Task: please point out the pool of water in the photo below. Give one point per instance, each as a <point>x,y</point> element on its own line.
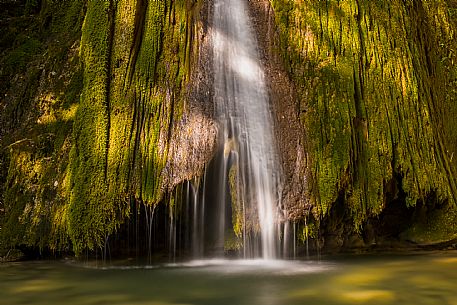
<point>429,278</point>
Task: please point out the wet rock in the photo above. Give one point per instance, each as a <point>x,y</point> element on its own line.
<point>290,133</point>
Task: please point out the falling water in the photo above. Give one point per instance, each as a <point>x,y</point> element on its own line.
<point>247,144</point>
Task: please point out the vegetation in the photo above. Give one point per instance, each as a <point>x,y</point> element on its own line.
<point>377,94</point>
<point>97,138</point>
<point>41,82</point>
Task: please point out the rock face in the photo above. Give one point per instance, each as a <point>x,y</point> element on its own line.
<point>120,115</point>
<point>290,131</point>
<point>41,80</point>
<point>375,93</point>
<point>194,136</point>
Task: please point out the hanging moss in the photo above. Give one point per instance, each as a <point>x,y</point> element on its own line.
<point>438,226</point>
<point>136,57</point>
<point>374,81</point>
<point>41,93</point>
<point>92,127</point>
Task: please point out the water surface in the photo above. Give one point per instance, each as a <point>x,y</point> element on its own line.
<point>388,279</point>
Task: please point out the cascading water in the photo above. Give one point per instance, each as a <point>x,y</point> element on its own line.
<point>234,208</point>
<point>248,164</point>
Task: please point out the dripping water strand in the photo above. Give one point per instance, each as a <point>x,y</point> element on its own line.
<point>295,240</point>
<point>149,214</point>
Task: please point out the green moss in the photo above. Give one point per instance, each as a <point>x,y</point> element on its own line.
<point>372,89</point>
<point>106,113</point>
<point>16,60</point>
<point>307,231</point>
<point>232,243</point>
<point>237,204</point>
<point>376,83</point>
<point>32,6</point>
<point>439,226</point>
<point>39,116</point>
<point>136,58</point>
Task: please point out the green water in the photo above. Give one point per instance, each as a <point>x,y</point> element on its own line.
<point>388,279</point>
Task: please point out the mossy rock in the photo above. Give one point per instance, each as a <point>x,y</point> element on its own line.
<point>439,226</point>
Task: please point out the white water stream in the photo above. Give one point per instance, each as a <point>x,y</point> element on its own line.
<point>243,111</point>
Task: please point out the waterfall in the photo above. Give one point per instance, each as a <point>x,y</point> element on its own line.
<point>249,171</point>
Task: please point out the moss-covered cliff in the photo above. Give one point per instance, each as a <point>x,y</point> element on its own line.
<point>94,91</point>
<point>376,92</point>
<point>136,58</point>
<point>41,79</point>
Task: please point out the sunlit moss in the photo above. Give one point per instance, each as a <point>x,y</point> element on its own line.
<point>237,204</point>
<point>371,82</point>
<point>108,117</point>
<point>69,115</point>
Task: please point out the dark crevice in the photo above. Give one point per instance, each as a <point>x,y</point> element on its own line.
<point>138,33</point>
<point>131,167</point>
<point>111,24</point>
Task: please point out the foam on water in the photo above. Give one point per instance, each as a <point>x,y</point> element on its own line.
<point>255,266</point>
